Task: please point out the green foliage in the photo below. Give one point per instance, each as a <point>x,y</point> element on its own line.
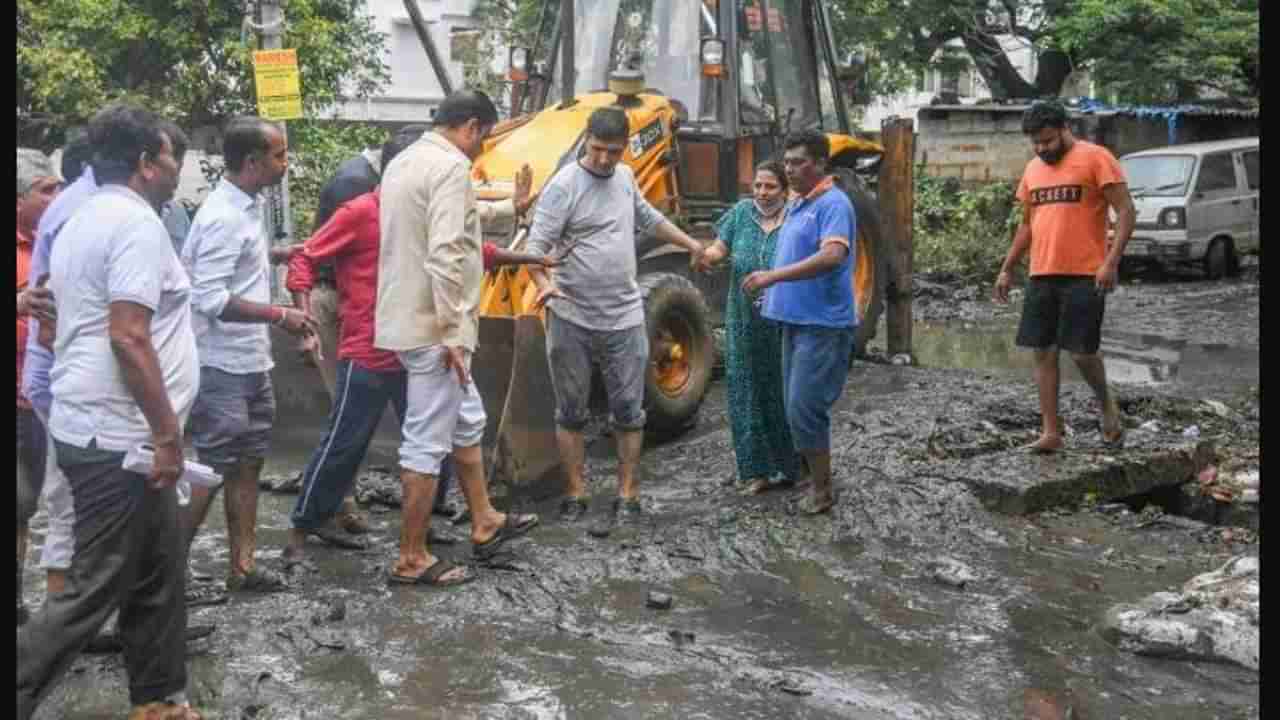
<point>317,149</point>
<point>1160,51</point>
<point>963,230</point>
<point>1144,50</point>
<point>187,59</point>
<point>503,24</point>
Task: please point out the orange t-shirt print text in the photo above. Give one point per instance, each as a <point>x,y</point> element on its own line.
<point>1068,209</point>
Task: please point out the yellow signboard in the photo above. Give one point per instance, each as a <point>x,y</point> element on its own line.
<point>275,73</point>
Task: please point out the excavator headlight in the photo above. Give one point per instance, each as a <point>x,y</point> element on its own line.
<point>712,57</point>
<point>518,64</point>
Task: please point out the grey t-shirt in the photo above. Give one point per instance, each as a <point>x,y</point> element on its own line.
<point>597,221</point>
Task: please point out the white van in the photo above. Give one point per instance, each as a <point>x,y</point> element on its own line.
<point>1196,204</point>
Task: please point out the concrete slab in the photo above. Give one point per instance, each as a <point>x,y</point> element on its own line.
<point>1016,481</point>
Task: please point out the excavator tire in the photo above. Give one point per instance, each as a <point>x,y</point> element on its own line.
<point>681,351</point>
<point>874,256</point>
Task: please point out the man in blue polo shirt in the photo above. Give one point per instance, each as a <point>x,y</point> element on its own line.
<point>811,296</point>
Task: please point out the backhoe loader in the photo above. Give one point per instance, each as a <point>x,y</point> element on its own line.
<point>711,88</point>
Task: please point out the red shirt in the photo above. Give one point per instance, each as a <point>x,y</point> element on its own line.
<point>350,239</point>
<point>25,246</point>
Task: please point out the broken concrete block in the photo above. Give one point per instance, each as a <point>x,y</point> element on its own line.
<point>1214,617</point>
<point>949,571</point>
<point>658,601</point>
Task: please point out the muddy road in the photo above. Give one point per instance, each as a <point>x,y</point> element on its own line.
<point>918,598</point>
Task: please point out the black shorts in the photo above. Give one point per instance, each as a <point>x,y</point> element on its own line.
<point>1064,311</point>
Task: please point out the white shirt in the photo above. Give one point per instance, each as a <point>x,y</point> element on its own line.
<point>123,253</point>
<point>226,255</point>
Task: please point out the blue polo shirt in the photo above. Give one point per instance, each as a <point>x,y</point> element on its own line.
<point>826,300</point>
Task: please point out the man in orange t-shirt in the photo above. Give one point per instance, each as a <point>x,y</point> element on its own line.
<point>1065,193</point>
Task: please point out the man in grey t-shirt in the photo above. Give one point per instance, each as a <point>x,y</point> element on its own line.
<point>590,213</point>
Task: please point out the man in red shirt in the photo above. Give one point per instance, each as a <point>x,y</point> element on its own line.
<point>367,378</point>
<point>1065,192</point>
<point>37,186</point>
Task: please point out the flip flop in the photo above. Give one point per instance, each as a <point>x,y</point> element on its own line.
<point>433,574</point>
<point>514,527</point>
<point>163,711</point>
<point>259,580</point>
<point>814,508</point>
<point>757,487</point>
<point>337,538</point>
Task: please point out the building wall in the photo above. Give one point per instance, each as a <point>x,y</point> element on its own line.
<point>972,144</point>
<point>980,144</point>
<point>972,88</point>
<point>414,91</point>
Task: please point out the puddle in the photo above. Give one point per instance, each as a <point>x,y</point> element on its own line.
<point>1131,358</point>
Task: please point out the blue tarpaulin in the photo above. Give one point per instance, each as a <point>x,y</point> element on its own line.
<point>1171,113</point>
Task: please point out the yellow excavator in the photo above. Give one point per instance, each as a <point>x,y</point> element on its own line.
<point>711,88</point>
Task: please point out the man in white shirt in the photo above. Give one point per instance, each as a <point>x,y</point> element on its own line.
<point>226,254</point>
<point>430,268</point>
<point>124,375</point>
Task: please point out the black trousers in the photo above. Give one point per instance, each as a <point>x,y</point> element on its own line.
<point>31,447</point>
<point>129,556</point>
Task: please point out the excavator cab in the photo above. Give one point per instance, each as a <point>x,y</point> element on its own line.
<point>740,74</point>
<point>711,88</point>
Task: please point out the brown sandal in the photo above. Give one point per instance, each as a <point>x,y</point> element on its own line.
<point>163,711</point>
<point>432,576</point>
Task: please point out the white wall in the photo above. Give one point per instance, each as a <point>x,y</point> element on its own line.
<point>413,90</point>
<point>907,104</point>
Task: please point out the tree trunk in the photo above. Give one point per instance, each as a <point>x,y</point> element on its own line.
<point>1052,72</point>
<point>997,71</point>
<point>1004,79</point>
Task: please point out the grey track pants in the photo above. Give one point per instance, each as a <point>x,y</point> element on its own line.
<point>129,556</point>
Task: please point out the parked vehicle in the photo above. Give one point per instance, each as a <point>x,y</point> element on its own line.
<point>1197,204</point>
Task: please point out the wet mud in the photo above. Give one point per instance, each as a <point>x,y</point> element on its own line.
<point>922,595</point>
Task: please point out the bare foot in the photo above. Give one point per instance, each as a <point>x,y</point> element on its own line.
<point>1047,444</point>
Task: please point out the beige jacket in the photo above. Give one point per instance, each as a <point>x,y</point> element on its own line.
<point>431,264</point>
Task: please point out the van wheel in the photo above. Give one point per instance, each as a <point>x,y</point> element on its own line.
<point>1219,260</point>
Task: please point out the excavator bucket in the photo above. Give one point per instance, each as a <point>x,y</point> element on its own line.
<point>511,373</point>
<point>525,452</point>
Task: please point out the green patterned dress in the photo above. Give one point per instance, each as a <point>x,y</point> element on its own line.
<point>753,356</point>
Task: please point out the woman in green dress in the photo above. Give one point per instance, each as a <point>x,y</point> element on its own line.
<point>748,234</point>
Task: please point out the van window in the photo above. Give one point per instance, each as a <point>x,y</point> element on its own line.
<point>1162,175</point>
<point>1253,169</point>
<point>1216,173</point>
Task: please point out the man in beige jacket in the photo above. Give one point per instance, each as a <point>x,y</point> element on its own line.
<point>429,274</point>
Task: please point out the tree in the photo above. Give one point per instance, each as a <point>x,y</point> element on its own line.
<point>1168,50</point>
<point>907,37</point>
<point>189,59</point>
<point>1148,50</point>
<point>500,25</point>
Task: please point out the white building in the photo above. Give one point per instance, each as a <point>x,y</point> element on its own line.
<point>414,91</point>
<point>967,84</point>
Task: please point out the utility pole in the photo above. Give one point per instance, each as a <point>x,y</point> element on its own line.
<point>278,222</point>
<point>897,207</point>
<point>567,79</point>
